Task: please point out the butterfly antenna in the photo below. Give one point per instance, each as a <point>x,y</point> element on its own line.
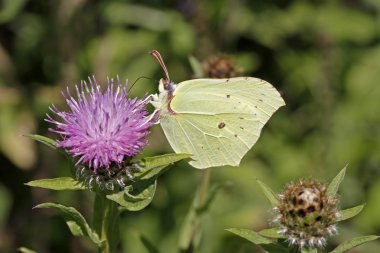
<point>158,57</point>
<point>141,77</point>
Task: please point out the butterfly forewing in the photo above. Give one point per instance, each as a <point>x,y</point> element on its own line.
<point>240,94</point>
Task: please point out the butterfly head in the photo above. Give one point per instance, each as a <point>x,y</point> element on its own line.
<point>162,100</point>
<point>166,86</point>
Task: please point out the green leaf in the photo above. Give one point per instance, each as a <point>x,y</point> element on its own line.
<point>271,232</point>
<point>190,224</point>
<point>153,166</point>
<point>10,9</point>
<point>332,189</point>
<point>274,247</point>
<point>309,250</point>
<point>149,246</point>
<point>196,66</point>
<point>26,250</point>
<point>268,193</point>
<point>45,140</point>
<point>136,197</point>
<point>58,184</point>
<point>256,238</point>
<point>349,213</point>
<point>74,220</point>
<point>347,245</point>
<point>161,160</point>
<point>250,235</point>
<point>5,204</point>
<point>106,220</point>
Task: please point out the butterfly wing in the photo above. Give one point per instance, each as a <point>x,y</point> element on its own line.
<point>218,120</point>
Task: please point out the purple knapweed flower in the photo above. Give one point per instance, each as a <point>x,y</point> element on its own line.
<point>102,128</point>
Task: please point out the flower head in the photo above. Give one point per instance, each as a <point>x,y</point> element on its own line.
<point>306,214</point>
<point>101,129</point>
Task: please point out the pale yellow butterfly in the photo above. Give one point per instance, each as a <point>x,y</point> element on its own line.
<point>215,120</point>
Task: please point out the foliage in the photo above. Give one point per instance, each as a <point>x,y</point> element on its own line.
<point>322,55</point>
<point>134,197</point>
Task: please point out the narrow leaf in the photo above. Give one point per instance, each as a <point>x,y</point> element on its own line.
<point>106,222</point>
<point>271,232</point>
<point>149,246</point>
<point>349,213</point>
<point>196,66</point>
<point>250,235</point>
<point>275,248</point>
<point>190,233</point>
<point>45,140</point>
<point>190,224</point>
<point>74,220</point>
<point>332,189</point>
<point>352,243</point>
<point>60,183</point>
<point>25,250</point>
<point>162,160</point>
<point>268,193</point>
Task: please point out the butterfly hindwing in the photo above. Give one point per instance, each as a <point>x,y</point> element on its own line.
<point>214,141</point>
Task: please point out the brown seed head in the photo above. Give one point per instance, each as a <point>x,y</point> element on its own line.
<point>306,213</point>
<point>221,66</point>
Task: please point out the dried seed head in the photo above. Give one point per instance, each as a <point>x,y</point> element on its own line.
<point>307,214</point>
<point>221,66</point>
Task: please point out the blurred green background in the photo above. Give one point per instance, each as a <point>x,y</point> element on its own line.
<point>324,57</point>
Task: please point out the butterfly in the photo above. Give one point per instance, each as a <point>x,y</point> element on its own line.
<point>215,120</point>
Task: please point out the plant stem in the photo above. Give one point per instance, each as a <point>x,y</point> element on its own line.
<point>106,218</point>
<point>203,187</point>
<point>199,203</point>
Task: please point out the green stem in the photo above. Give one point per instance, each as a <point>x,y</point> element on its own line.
<point>200,201</point>
<point>106,218</point>
<point>203,187</point>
